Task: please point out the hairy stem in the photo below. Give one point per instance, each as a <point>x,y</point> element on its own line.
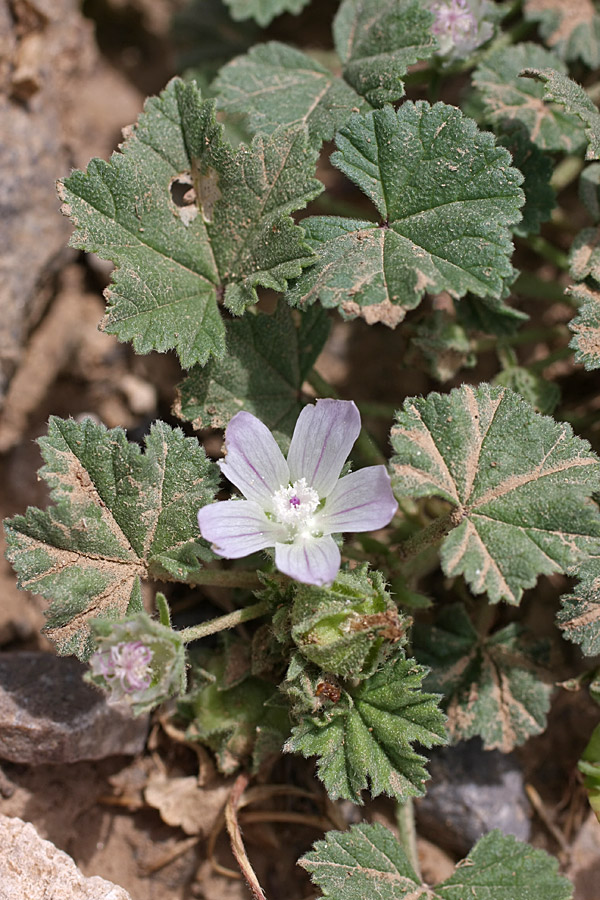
<point>405,819</point>
<point>222,623</point>
<point>431,534</point>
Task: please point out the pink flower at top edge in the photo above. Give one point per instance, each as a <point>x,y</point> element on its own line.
<point>295,505</point>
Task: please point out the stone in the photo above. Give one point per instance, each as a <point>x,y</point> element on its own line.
<point>471,792</point>
<point>34,868</point>
<point>48,714</point>
<point>60,103</point>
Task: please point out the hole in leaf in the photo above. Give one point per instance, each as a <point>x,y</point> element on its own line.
<point>182,190</point>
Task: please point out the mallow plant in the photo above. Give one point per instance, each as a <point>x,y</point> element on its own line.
<point>390,590</point>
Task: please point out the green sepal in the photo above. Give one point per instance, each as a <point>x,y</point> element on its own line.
<point>168,664</point>
<point>347,629</point>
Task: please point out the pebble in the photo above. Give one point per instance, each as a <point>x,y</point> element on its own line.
<point>471,792</point>
<point>48,714</point>
<point>33,868</point>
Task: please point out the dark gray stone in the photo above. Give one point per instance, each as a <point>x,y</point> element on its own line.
<point>48,714</point>
<point>471,792</point>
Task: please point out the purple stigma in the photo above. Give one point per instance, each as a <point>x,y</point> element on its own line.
<point>295,501</point>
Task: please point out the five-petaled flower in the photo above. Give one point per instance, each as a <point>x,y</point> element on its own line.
<point>296,505</point>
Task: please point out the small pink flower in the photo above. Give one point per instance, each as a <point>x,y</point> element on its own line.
<point>125,667</point>
<point>460,26</point>
<point>295,505</point>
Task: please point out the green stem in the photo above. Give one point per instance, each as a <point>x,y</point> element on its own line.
<point>431,534</point>
<point>405,819</point>
<point>540,364</point>
<point>566,172</point>
<point>537,288</point>
<point>548,251</point>
<point>527,336</point>
<point>225,578</point>
<point>221,623</point>
<point>377,410</point>
<point>365,444</point>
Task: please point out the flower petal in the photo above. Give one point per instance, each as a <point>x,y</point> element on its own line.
<point>254,462</point>
<point>237,528</point>
<point>309,560</point>
<point>361,501</point>
<point>322,441</point>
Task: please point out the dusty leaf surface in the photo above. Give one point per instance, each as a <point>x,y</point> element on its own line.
<point>118,515</point>
<point>269,358</point>
<point>446,196</point>
<point>377,40</point>
<point>517,482</point>
<point>263,11</point>
<point>586,325</point>
<point>511,99</point>
<point>579,617</point>
<point>493,686</point>
<point>364,738</point>
<point>368,861</point>
<point>188,220</point>
<point>561,89</point>
<point>570,27</point>
<point>275,85</point>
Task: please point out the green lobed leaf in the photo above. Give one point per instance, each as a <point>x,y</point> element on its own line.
<point>542,394</point>
<point>579,617</point>
<point>187,219</point>
<point>517,483</point>
<point>117,515</point>
<point>537,169</point>
<point>269,356</point>
<point>493,685</point>
<point>242,722</point>
<point>559,88</point>
<point>206,37</point>
<point>263,11</point>
<point>368,861</point>
<point>446,195</point>
<point>510,99</point>
<point>444,344</point>
<point>275,85</point>
<point>490,316</point>
<point>586,325</point>
<point>377,40</point>
<point>363,733</point>
<point>572,29</point>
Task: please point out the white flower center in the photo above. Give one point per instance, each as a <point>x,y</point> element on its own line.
<point>295,504</point>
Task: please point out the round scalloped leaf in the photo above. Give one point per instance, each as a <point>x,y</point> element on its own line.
<point>579,617</point>
<point>367,861</point>
<point>263,11</point>
<point>446,196</point>
<point>571,29</point>
<point>518,484</point>
<point>508,98</point>
<point>586,326</point>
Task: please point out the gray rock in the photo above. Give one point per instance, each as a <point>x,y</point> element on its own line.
<point>471,792</point>
<point>33,868</point>
<point>48,714</point>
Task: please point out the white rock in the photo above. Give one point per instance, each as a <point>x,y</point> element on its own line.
<point>37,870</point>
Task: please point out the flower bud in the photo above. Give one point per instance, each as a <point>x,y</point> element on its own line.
<point>347,629</point>
<point>138,660</point>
